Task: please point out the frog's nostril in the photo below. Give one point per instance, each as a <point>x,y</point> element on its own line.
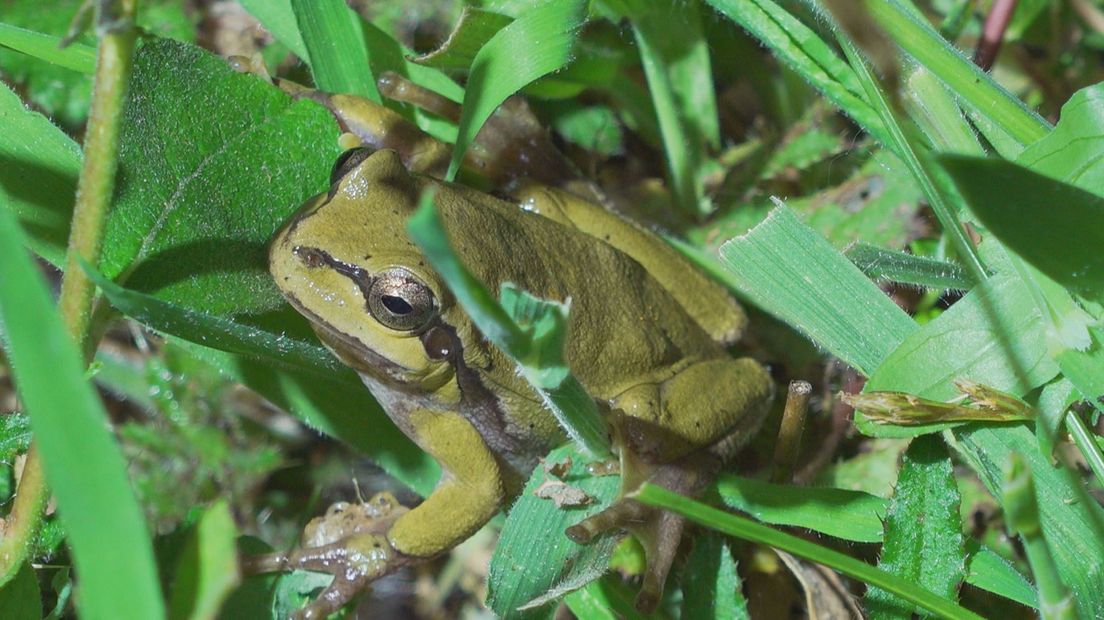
<point>311,257</point>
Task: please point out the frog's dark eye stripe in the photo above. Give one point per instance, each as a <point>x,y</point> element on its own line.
<point>400,301</point>
<point>347,161</point>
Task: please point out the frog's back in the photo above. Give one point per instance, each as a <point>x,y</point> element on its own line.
<point>624,327</point>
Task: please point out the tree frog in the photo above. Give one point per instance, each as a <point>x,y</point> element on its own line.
<point>647,337</point>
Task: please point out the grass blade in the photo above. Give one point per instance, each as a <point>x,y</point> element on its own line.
<point>976,89</point>
<point>1067,513</point>
<point>992,573</point>
<point>335,45</point>
<point>758,533</point>
<point>882,264</point>
<point>793,273</point>
<point>536,44</point>
<point>107,530</point>
<point>75,56</point>
<point>472,31</point>
<point>806,53</point>
<point>675,58</point>
<point>278,18</point>
<point>218,331</point>
<point>942,202</point>
<point>208,569</point>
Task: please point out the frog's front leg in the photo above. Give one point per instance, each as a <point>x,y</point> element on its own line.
<point>470,492</point>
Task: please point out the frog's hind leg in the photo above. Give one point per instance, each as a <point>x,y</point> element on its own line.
<point>658,531</point>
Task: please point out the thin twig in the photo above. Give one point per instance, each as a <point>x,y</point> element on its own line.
<point>992,32</point>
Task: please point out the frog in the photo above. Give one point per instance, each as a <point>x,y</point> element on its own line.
<point>648,337</point>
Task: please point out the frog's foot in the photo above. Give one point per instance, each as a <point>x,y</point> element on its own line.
<point>350,543</point>
<point>658,531</point>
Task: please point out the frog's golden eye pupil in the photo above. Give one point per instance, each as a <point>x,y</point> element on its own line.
<point>398,300</point>
<point>347,161</point>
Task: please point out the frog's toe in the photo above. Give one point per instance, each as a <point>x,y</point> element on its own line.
<point>658,531</point>
<point>354,563</point>
<point>618,516</point>
<point>350,543</point>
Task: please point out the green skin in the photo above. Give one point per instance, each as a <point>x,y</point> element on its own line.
<point>646,337</point>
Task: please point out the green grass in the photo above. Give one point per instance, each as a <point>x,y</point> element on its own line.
<point>757,127</point>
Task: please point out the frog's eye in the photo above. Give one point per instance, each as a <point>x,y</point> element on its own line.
<point>400,301</point>
<point>347,161</point>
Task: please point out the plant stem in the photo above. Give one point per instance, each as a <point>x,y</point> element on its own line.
<point>1086,443</point>
<point>114,59</point>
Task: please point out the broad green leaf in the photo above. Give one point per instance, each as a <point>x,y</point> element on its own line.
<point>1069,515</point>
<point>850,515</point>
<point>992,336</point>
<point>534,562</point>
<point>468,36</point>
<point>198,200</point>
<point>1041,219</point>
<point>208,568</point>
<point>15,434</point>
<point>711,587</point>
<point>793,273</point>
<point>923,536</point>
<point>84,468</point>
<point>334,43</point>
<point>746,529</point>
<point>39,165</point>
<point>20,598</point>
<point>537,43</point>
<point>1074,150</point>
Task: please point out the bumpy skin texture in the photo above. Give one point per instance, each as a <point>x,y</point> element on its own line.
<point>678,402</point>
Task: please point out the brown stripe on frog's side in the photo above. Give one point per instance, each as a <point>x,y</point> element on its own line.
<point>484,410</point>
